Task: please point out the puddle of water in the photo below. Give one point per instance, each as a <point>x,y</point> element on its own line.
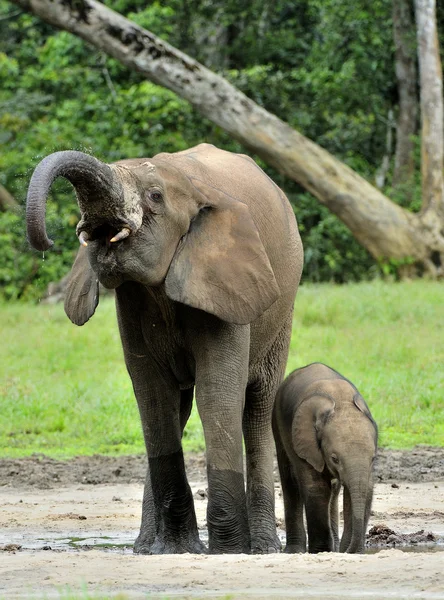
<point>122,542</point>
<point>109,543</point>
<point>113,541</point>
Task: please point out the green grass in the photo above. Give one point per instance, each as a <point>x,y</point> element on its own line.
<point>64,390</point>
<point>67,593</point>
<point>389,340</point>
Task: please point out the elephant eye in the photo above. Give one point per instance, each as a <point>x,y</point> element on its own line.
<point>335,459</point>
<point>156,196</point>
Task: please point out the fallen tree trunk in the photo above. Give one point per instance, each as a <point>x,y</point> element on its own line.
<point>385,229</point>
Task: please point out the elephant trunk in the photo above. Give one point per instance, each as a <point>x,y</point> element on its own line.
<point>357,544</point>
<point>360,496</point>
<point>92,180</point>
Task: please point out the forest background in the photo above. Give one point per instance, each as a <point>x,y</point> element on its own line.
<point>327,68</point>
<point>346,75</point>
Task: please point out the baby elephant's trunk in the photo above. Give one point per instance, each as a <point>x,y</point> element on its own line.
<point>357,503</point>
<point>357,544</point>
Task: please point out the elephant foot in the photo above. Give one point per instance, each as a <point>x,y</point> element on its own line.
<point>295,548</point>
<point>143,543</point>
<point>265,544</point>
<point>227,519</point>
<point>163,546</point>
<point>319,549</point>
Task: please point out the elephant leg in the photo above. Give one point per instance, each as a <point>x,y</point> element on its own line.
<point>147,534</point>
<point>259,445</point>
<point>221,376</point>
<point>317,492</point>
<point>168,519</point>
<point>334,512</point>
<point>296,536</point>
<point>186,404</point>
<point>368,505</point>
<point>174,516</point>
<point>348,519</point>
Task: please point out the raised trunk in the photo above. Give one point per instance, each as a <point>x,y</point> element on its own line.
<point>92,179</point>
<point>384,228</point>
<point>405,67</point>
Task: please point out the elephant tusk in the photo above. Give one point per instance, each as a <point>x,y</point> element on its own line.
<point>83,238</point>
<point>123,233</point>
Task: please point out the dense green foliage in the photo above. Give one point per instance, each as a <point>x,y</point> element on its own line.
<point>64,390</point>
<point>324,66</point>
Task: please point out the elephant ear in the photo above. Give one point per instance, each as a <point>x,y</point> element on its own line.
<point>308,422</point>
<point>221,266</point>
<point>82,292</point>
<point>361,404</point>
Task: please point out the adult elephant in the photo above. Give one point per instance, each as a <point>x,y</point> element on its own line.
<point>205,256</point>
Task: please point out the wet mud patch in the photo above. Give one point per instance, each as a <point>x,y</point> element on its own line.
<point>72,524</point>
<point>382,536</point>
<point>423,463</point>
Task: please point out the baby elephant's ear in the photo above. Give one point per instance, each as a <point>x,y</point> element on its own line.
<point>307,429</point>
<point>82,292</point>
<point>361,404</point>
<point>221,266</point>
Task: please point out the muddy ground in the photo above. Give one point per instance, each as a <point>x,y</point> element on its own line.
<point>67,530</point>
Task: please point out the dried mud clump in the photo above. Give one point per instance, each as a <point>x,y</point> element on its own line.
<point>381,535</point>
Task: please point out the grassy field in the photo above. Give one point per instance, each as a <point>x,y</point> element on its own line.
<point>64,390</point>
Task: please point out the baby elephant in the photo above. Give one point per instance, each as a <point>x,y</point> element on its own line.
<point>325,437</point>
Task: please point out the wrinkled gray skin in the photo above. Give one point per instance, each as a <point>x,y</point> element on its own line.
<point>325,437</point>
<point>205,285</point>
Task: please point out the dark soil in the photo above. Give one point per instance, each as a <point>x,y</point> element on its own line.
<point>418,465</point>
<point>382,536</point>
<point>423,463</point>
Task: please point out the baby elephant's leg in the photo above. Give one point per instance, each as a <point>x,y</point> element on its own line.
<point>293,504</point>
<point>334,512</point>
<point>317,492</point>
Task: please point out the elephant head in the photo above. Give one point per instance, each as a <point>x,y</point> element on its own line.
<point>334,429</point>
<point>165,220</point>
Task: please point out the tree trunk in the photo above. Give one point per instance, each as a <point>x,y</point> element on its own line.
<point>431,107</point>
<point>381,174</point>
<point>405,68</point>
<point>7,201</point>
<point>432,140</point>
<point>384,228</point>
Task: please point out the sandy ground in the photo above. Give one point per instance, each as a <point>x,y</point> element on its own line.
<point>75,529</point>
